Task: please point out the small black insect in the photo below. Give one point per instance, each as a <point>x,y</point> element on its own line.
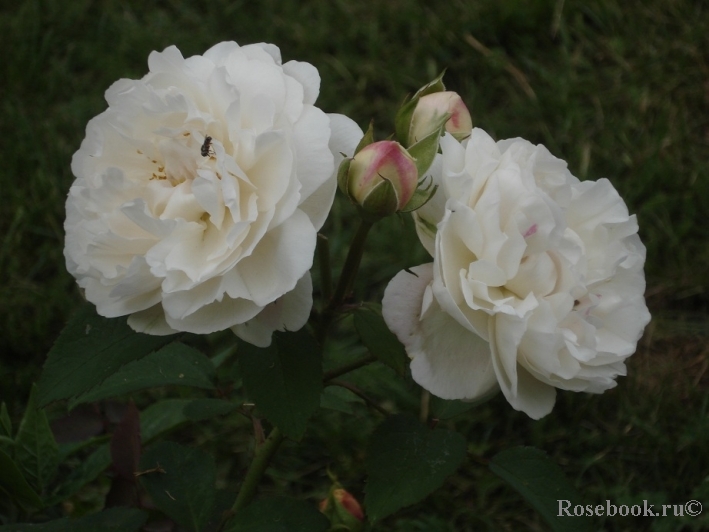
<point>206,147</point>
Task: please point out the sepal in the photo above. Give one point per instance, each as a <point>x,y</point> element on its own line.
<point>424,193</point>
<point>406,111</point>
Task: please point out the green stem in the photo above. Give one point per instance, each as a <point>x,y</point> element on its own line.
<point>258,466</point>
<point>349,272</point>
<point>324,262</point>
<point>359,393</point>
<point>355,364</point>
<point>265,452</point>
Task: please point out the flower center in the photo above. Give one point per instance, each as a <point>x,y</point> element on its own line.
<point>537,274</point>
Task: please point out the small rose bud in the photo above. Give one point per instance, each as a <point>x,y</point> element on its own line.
<point>343,510</point>
<point>430,108</point>
<point>382,177</point>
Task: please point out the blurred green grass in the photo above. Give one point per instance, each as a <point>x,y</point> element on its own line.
<point>619,90</point>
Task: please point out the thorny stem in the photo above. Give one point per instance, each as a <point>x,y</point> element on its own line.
<point>258,466</point>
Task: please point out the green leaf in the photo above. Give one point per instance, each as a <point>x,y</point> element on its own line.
<point>175,363</point>
<point>111,520</point>
<point>89,469</point>
<point>340,399</point>
<point>185,491</point>
<point>201,409</point>
<point>542,483</point>
<point>12,482</point>
<point>89,350</point>
<point>223,502</point>
<point>36,449</point>
<point>67,449</point>
<point>225,354</point>
<point>157,419</point>
<point>406,461</point>
<point>5,422</point>
<point>379,340</point>
<point>162,417</point>
<point>7,445</point>
<point>279,514</point>
<point>284,379</point>
<point>446,409</point>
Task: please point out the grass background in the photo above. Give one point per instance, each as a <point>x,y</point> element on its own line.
<point>619,90</point>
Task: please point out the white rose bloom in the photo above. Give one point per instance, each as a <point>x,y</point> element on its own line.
<point>200,190</point>
<point>536,283</point>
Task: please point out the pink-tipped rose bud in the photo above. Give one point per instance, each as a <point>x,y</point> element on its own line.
<point>429,110</point>
<point>382,178</point>
<point>343,510</point>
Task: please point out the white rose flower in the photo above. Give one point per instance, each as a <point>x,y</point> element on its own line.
<point>200,190</point>
<point>536,283</point>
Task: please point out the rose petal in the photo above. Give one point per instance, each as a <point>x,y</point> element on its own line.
<point>281,258</point>
<point>288,313</point>
<point>151,321</point>
<point>308,77</point>
<point>447,359</point>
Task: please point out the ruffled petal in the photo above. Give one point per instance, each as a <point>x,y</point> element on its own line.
<point>447,359</point>
<point>521,389</point>
<point>288,313</point>
<point>281,258</point>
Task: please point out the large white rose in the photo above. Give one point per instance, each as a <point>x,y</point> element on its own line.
<point>536,283</point>
<point>199,192</point>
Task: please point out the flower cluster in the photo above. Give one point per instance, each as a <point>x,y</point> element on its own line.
<point>200,190</point>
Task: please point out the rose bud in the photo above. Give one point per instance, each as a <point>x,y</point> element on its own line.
<point>343,510</point>
<point>431,108</point>
<point>381,178</point>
